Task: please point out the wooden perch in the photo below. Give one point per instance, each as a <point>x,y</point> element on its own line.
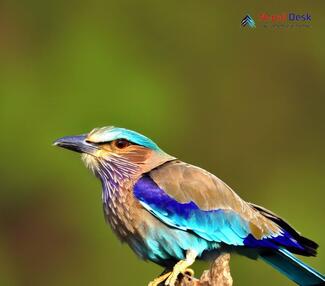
<point>218,275</point>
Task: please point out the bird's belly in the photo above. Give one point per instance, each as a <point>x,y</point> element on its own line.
<point>164,245</point>
<point>150,238</point>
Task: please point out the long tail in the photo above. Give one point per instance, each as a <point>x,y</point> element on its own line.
<point>293,268</point>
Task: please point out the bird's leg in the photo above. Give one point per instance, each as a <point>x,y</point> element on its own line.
<point>163,276</point>
<point>181,267</point>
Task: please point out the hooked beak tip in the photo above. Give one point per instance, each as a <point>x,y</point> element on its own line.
<point>56,143</point>
<point>74,143</point>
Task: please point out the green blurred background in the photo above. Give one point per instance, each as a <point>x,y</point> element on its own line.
<point>248,105</point>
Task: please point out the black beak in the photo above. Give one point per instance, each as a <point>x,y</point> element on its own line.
<point>76,143</point>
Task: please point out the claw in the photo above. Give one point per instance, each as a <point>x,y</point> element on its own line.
<point>189,272</point>
<point>181,267</point>
<point>173,276</point>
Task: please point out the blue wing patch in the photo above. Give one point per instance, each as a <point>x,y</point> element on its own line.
<point>214,225</point>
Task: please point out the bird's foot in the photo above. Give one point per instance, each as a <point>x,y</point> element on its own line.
<point>159,279</point>
<point>163,277</point>
<point>181,267</point>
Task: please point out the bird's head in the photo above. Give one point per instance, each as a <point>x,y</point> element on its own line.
<point>115,154</point>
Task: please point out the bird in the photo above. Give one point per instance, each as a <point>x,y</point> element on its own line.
<point>173,213</point>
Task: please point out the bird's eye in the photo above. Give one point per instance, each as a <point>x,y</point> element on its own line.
<point>121,143</point>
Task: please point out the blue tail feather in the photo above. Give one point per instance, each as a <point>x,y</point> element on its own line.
<point>292,267</point>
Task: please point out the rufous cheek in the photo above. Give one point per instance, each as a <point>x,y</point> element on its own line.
<point>138,154</point>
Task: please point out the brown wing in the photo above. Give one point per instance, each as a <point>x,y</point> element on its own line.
<point>187,183</point>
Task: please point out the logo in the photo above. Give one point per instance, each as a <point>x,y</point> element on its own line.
<point>248,21</point>
<point>283,20</point>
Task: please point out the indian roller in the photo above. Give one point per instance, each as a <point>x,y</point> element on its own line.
<point>172,213</point>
